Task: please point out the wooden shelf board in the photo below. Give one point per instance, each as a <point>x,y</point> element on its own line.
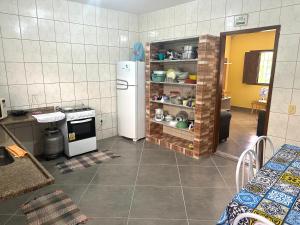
<point>173,61</point>
<point>175,105</point>
<point>164,123</point>
<point>168,83</point>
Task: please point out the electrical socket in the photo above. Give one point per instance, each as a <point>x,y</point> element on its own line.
<point>292,109</point>
<point>101,121</point>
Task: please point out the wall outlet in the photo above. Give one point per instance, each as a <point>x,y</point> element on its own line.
<point>292,109</point>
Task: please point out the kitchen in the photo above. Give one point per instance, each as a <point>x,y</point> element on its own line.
<point>60,57</point>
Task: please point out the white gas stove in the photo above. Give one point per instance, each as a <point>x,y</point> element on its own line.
<point>79,130</point>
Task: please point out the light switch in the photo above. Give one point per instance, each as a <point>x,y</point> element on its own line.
<point>292,109</point>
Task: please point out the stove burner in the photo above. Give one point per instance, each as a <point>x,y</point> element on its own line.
<point>75,109</point>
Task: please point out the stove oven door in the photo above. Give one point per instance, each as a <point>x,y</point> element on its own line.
<point>81,129</point>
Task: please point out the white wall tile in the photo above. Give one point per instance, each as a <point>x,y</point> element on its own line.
<point>34,73</point>
<point>50,71</point>
<point>297,76</point>
<point>64,52</point>
<point>91,54</point>
<point>48,51</point>
<point>114,55</point>
<point>46,30</point>
<point>180,14</point>
<point>61,10</point>
<point>67,91</point>
<point>77,35</point>
<point>27,8</point>
<point>113,37</point>
<point>3,77</point>
<point>124,54</point>
<point>36,93</point>
<point>81,91</point>
<point>29,28</point>
<point>105,72</point>
<point>103,54</point>
<point>281,98</point>
<point>269,17</point>
<point>95,104</point>
<point>217,26</point>
<point>288,47</point>
<point>75,12</point>
<point>79,72</point>
<point>133,22</point>
<point>253,20</point>
<point>123,21</point>
<point>52,93</point>
<point>218,8</point>
<point>251,5</point>
<point>65,72</point>
<point>112,19</point>
<point>191,12</point>
<point>78,53</point>
<point>44,9</point>
<point>296,101</point>
<point>62,31</point>
<point>133,37</point>
<point>179,31</point>
<point>18,95</point>
<point>9,6</point>
<point>15,73</point>
<point>90,35</point>
<point>105,105</point>
<point>290,2</point>
<point>9,26</point>
<point>1,52</point>
<point>92,72</point>
<point>270,4</point>
<point>107,121</point>
<point>277,124</point>
<point>31,51</point>
<point>102,36</point>
<point>204,10</point>
<point>113,88</point>
<point>12,50</point>
<point>293,132</point>
<point>89,14</point>
<point>93,90</point>
<point>284,74</point>
<point>123,38</point>
<point>289,19</point>
<point>234,7</point>
<point>105,89</point>
<point>5,94</point>
<point>203,27</point>
<point>101,17</point>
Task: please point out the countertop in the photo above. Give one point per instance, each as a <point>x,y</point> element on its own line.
<point>24,174</point>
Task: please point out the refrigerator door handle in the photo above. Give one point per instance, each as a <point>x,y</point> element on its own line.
<point>122,83</point>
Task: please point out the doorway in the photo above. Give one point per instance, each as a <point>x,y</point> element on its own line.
<point>245,83</point>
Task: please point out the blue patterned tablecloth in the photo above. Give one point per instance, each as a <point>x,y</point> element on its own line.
<point>273,193</point>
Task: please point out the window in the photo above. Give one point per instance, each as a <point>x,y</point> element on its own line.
<point>265,67</point>
<point>257,67</point>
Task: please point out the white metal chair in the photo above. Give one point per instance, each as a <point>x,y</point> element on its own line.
<point>249,158</point>
<point>260,220</point>
<point>261,145</point>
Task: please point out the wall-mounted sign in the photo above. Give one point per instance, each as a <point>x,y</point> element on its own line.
<point>241,20</point>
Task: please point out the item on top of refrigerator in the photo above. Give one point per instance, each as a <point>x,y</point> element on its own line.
<point>138,52</point>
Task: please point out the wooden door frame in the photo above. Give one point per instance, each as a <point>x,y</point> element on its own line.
<point>220,77</point>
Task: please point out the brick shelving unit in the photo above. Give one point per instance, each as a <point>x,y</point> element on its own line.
<point>205,66</point>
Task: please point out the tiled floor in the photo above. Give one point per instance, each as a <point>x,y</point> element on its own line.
<point>242,133</point>
<point>147,185</point>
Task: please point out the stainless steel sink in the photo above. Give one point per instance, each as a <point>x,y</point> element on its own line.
<point>5,157</point>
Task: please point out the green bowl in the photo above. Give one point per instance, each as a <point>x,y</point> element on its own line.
<point>158,78</point>
<point>182,124</point>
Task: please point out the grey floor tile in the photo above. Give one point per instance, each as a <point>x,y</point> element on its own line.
<point>156,222</point>
<point>195,176</point>
<point>106,221</point>
<point>161,156</point>
<point>159,175</point>
<point>106,201</point>
<point>17,220</point>
<point>203,161</point>
<point>4,219</point>
<point>11,206</point>
<point>206,203</point>
<point>202,222</point>
<point>83,176</point>
<point>220,161</point>
<point>127,156</point>
<point>116,175</point>
<point>158,202</point>
<point>127,144</point>
<point>228,173</point>
<point>106,144</point>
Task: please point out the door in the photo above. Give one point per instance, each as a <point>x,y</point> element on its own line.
<point>81,129</point>
<point>126,72</point>
<point>127,110</point>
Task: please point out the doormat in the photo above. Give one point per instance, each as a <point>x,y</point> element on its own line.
<point>85,161</point>
<point>53,208</point>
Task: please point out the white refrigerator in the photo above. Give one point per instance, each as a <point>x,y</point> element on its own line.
<point>131,99</point>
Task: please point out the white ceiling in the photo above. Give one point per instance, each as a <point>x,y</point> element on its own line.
<point>134,6</point>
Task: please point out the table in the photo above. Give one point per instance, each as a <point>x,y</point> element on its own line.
<point>273,193</point>
<point>258,104</point>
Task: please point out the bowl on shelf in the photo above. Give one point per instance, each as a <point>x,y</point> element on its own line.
<point>182,75</point>
<point>193,77</point>
<point>158,76</point>
<point>182,124</point>
<point>173,123</point>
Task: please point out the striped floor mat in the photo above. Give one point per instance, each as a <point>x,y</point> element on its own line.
<point>53,208</point>
<point>84,161</point>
